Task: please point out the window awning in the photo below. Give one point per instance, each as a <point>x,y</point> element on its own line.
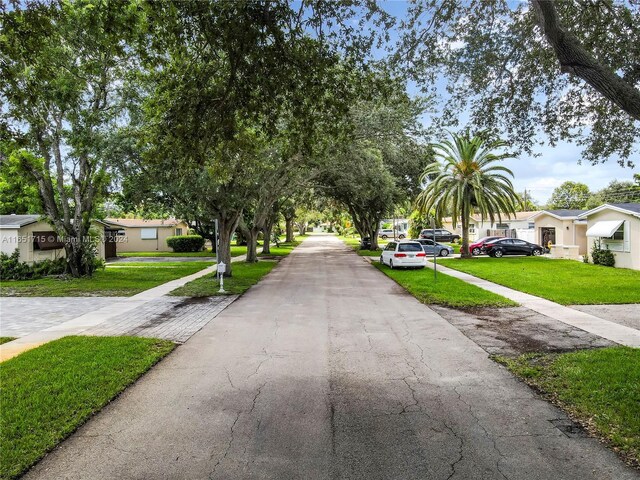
<point>605,228</point>
<point>47,240</point>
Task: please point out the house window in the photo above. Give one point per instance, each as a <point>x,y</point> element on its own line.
<point>178,231</point>
<point>618,242</point>
<point>502,226</point>
<point>619,234</point>
<point>472,228</point>
<point>532,225</point>
<point>148,233</point>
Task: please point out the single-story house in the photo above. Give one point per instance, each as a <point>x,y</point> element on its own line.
<point>564,229</point>
<point>36,240</point>
<point>617,226</point>
<point>139,235</point>
<point>519,225</point>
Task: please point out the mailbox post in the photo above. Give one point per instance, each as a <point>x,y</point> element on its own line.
<point>222,268</point>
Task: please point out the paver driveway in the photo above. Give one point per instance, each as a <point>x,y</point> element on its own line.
<point>327,369</point>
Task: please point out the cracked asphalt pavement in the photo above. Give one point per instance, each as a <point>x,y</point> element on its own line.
<point>328,370</point>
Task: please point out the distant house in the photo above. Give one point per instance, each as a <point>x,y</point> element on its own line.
<point>35,238</point>
<point>564,229</point>
<point>519,225</point>
<point>139,235</point>
<point>617,226</point>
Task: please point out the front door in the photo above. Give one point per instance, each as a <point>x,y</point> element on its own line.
<point>547,234</point>
<point>110,243</point>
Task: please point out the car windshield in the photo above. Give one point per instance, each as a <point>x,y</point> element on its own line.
<point>410,247</point>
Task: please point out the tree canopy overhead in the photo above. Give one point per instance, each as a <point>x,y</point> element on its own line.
<point>569,70</point>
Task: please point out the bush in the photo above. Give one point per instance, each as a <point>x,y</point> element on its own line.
<point>186,243</point>
<point>602,256</point>
<point>11,268</point>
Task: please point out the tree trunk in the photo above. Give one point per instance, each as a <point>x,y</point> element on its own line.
<point>227,225</point>
<point>373,235</point>
<point>464,249</point>
<point>252,245</point>
<point>289,227</point>
<point>266,245</point>
<point>302,227</point>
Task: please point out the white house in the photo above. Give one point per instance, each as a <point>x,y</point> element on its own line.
<point>617,226</point>
<point>35,238</point>
<point>519,225</point>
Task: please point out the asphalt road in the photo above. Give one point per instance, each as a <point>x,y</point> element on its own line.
<point>327,369</point>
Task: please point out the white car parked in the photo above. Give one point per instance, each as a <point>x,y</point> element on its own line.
<point>404,254</point>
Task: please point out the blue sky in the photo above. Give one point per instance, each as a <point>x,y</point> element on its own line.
<point>555,165</point>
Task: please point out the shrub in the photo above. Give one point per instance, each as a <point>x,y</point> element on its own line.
<point>11,268</point>
<point>49,267</point>
<point>602,256</point>
<point>186,243</point>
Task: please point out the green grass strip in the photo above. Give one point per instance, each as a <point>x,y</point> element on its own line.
<point>446,290</point>
<point>282,251</point>
<point>562,281</point>
<point>119,279</point>
<point>206,253</point>
<point>6,339</point>
<point>48,392</point>
<point>244,276</point>
<point>600,388</point>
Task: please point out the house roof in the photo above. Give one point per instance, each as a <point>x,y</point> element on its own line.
<point>142,223</point>
<point>562,214</point>
<point>628,208</point>
<point>17,221</point>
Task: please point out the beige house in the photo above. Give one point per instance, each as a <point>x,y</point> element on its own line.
<point>35,238</point>
<point>617,226</point>
<point>519,225</point>
<point>139,235</point>
<point>564,229</point>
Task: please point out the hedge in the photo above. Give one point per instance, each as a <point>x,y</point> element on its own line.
<point>186,243</point>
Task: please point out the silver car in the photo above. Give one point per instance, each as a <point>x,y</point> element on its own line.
<point>430,246</point>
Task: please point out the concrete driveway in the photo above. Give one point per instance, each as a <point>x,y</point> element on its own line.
<point>328,369</point>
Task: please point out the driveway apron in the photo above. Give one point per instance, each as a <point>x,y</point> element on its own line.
<point>328,369</point>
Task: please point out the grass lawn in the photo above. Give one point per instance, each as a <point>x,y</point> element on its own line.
<point>354,243</point>
<point>123,279</point>
<point>6,339</point>
<point>447,291</point>
<point>599,388</point>
<point>51,390</point>
<point>206,253</point>
<point>236,251</point>
<point>282,251</point>
<point>562,281</point>
<point>244,276</point>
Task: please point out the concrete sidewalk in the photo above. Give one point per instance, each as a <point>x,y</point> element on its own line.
<point>115,310</point>
<point>327,369</point>
<point>615,332</point>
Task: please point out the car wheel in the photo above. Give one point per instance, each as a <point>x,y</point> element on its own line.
<point>498,253</point>
<point>537,252</point>
<point>476,251</point>
<point>391,264</point>
<point>384,237</point>
<point>401,237</point>
<point>444,252</point>
<point>381,260</point>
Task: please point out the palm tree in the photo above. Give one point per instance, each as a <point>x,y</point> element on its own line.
<point>464,180</point>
